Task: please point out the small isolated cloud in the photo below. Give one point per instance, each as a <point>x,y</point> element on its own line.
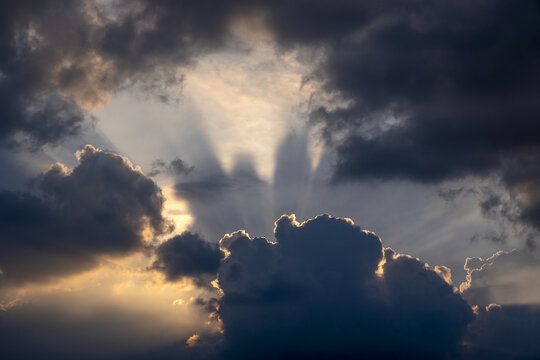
<point>103,206</point>
<point>175,167</point>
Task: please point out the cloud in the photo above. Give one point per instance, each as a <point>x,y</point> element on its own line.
<point>187,255</point>
<point>103,206</point>
<point>522,177</point>
<point>503,332</point>
<point>175,167</point>
<point>431,92</point>
<point>33,45</point>
<point>328,289</point>
<point>428,92</point>
<point>504,278</point>
<point>403,85</point>
<point>456,86</point>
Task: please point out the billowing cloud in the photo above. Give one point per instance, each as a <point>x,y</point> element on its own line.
<point>187,255</point>
<point>419,78</point>
<point>103,206</point>
<point>36,54</point>
<point>434,91</point>
<point>503,332</point>
<point>328,289</point>
<point>50,78</point>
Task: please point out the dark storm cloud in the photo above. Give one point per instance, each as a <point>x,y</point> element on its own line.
<point>187,255</point>
<point>438,90</point>
<point>59,59</point>
<point>101,207</point>
<point>430,91</point>
<point>318,292</point>
<point>462,79</point>
<point>29,104</point>
<point>508,332</point>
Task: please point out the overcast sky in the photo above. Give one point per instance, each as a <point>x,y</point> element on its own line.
<point>231,179</point>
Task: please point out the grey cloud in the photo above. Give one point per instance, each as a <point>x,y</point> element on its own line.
<point>187,255</point>
<point>462,85</point>
<point>315,293</point>
<point>522,178</point>
<point>504,278</point>
<point>419,219</point>
<point>503,332</point>
<point>100,207</point>
<point>460,79</point>
<point>32,44</point>
<point>51,76</point>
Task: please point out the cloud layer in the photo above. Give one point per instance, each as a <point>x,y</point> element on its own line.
<point>429,92</point>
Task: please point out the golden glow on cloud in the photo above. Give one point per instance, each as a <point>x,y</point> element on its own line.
<point>125,285</point>
<point>83,81</point>
<point>444,272</point>
<point>193,340</point>
<point>380,268</point>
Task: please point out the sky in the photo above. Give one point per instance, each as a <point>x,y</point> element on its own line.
<point>232,179</point>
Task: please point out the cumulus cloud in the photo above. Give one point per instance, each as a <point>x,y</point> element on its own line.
<point>103,206</point>
<point>175,167</point>
<point>187,255</point>
<point>503,332</point>
<point>328,289</point>
<point>440,71</point>
<point>34,45</point>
